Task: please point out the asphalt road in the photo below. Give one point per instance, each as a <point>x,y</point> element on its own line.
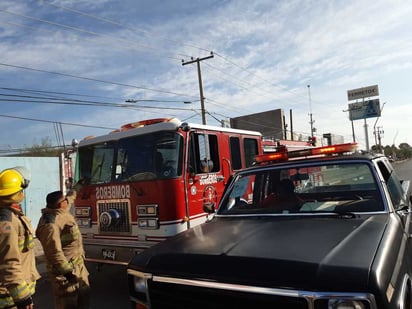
<point>404,169</point>
<point>108,288</point>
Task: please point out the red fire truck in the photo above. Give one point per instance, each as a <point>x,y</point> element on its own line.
<point>151,180</point>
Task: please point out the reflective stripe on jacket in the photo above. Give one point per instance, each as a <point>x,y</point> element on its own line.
<point>18,273</point>
<point>61,239</point>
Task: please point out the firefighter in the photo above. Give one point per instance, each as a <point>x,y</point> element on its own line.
<point>18,273</point>
<point>62,243</point>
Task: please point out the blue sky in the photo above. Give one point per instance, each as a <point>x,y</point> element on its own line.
<point>91,56</point>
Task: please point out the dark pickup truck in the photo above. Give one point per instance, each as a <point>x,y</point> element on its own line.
<point>320,228</point>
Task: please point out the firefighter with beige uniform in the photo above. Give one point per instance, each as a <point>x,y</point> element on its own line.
<point>62,243</point>
<point>18,273</point>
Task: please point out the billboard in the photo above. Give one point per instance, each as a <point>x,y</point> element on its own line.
<point>365,109</point>
<point>365,92</point>
<point>270,123</point>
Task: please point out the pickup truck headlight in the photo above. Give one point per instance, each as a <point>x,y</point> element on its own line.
<point>345,304</point>
<point>138,286</point>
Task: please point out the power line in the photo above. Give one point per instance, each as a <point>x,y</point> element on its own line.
<point>93,79</point>
<point>122,26</point>
<point>65,123</point>
<point>86,101</point>
<point>102,104</point>
<point>133,29</point>
<point>118,24</point>
<point>85,31</point>
<point>146,32</point>
<point>57,92</point>
<point>65,101</point>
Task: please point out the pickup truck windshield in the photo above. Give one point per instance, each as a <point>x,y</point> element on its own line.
<point>345,187</point>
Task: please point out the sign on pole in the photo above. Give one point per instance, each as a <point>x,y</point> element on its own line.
<point>365,92</point>
<point>365,109</point>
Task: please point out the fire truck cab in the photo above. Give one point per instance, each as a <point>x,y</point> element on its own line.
<point>151,180</point>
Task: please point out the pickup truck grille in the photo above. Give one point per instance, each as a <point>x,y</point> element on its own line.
<point>166,295</point>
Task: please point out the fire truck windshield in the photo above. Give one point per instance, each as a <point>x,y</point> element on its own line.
<point>141,157</point>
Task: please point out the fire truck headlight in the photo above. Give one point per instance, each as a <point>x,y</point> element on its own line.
<point>84,222</point>
<point>147,210</point>
<point>149,223</point>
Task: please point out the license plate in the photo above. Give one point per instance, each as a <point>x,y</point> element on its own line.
<point>109,254</point>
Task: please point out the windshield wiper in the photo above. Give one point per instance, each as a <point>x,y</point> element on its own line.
<point>339,214</point>
<point>345,214</point>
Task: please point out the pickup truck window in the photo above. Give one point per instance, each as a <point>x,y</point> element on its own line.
<point>394,186</point>
<point>306,189</point>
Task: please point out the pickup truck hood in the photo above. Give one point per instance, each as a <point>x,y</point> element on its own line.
<point>283,252</point>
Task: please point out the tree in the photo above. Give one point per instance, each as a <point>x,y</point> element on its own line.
<point>45,149</point>
<point>405,151</point>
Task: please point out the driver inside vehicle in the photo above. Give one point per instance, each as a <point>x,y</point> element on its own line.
<point>283,197</point>
<point>158,163</point>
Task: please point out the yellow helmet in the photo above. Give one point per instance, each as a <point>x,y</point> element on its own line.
<point>11,181</point>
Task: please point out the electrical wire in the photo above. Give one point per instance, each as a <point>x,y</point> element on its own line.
<point>123,26</point>
<point>93,79</point>
<point>65,123</point>
<point>87,32</point>
<point>221,105</point>
<point>102,104</point>
<point>148,47</point>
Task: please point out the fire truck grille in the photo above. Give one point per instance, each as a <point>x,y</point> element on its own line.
<point>114,217</point>
<point>164,295</point>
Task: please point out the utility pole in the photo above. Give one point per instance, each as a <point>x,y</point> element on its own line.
<point>310,113</point>
<point>202,99</point>
<point>351,120</point>
<point>377,132</point>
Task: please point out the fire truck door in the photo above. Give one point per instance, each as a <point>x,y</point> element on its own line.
<point>204,177</point>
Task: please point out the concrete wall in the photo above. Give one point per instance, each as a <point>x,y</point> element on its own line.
<point>45,177</point>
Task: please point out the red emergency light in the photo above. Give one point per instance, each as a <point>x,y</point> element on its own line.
<point>284,155</point>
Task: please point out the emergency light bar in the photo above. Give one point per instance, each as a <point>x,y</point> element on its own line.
<point>284,155</point>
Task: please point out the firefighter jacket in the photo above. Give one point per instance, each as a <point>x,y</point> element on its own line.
<point>61,240</point>
<point>18,273</point>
